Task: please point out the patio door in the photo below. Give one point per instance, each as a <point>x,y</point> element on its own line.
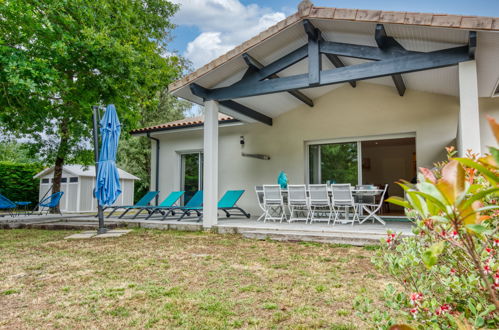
<point>334,163</point>
<point>191,174</point>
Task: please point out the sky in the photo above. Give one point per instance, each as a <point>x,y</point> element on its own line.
<point>207,29</point>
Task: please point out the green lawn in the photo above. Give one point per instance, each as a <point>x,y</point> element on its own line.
<point>180,279</point>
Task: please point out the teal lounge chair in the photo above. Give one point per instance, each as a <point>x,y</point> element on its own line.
<point>168,203</point>
<point>227,203</point>
<point>144,201</point>
<point>49,202</point>
<point>7,205</point>
<point>194,203</point>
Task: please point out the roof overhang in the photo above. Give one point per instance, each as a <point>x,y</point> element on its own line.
<point>414,32</point>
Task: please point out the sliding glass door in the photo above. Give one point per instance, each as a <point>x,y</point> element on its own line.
<point>334,163</point>
<point>192,174</point>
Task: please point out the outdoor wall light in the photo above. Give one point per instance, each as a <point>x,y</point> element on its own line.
<point>257,156</point>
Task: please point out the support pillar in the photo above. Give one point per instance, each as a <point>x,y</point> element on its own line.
<point>210,164</point>
<point>469,114</point>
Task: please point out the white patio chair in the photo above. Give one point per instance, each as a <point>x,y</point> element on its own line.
<point>259,197</point>
<point>273,203</point>
<point>373,208</point>
<point>320,203</point>
<point>342,201</point>
<point>299,209</point>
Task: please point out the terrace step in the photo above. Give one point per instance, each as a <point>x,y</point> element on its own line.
<point>69,225</point>
<point>357,239</point>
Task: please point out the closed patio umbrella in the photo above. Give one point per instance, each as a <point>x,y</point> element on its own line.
<point>108,188</point>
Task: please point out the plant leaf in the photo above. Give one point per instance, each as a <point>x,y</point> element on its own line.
<point>451,185</point>
<point>428,174</point>
<point>430,256</point>
<point>399,201</point>
<point>476,228</point>
<point>494,126</point>
<point>478,196</point>
<point>491,176</point>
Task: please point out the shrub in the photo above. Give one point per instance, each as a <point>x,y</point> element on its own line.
<point>448,270</point>
<point>17,183</point>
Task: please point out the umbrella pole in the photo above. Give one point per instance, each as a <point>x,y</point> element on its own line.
<point>100,213</point>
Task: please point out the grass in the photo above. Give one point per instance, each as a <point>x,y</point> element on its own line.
<point>165,279</point>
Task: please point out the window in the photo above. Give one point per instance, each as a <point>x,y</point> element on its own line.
<point>191,173</point>
<point>333,163</point>
<point>64,180</point>
<point>73,179</point>
<point>45,180</point>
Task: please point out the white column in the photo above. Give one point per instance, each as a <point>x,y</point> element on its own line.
<point>210,166</point>
<point>469,115</point>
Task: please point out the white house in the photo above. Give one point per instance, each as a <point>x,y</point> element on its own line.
<point>78,183</point>
<point>330,94</point>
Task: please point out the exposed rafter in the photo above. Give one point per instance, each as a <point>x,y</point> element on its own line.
<point>390,59</point>
<point>395,64</point>
<point>234,106</point>
<point>386,43</point>
<point>257,66</point>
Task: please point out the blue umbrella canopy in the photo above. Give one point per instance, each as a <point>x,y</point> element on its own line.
<point>108,186</point>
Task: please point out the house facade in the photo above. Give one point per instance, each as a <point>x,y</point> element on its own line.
<point>332,95</point>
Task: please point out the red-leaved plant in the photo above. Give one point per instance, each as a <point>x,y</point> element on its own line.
<point>448,271</point>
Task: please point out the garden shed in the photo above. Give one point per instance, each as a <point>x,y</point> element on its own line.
<point>78,183</point>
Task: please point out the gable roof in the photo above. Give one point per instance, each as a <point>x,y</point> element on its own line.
<point>84,171</point>
<point>182,123</point>
<point>342,14</point>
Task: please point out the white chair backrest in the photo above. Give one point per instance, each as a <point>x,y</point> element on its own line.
<point>382,197</point>
<point>297,194</point>
<point>259,194</point>
<point>342,193</point>
<point>272,194</point>
<point>319,194</point>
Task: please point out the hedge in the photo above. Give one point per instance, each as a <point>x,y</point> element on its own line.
<point>17,183</point>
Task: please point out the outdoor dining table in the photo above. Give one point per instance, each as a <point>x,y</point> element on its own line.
<point>363,207</point>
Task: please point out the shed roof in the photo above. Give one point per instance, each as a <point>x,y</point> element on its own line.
<point>84,171</point>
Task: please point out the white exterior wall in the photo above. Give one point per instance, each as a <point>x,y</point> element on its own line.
<point>346,112</point>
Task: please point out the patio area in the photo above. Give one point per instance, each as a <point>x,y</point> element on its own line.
<point>365,234</point>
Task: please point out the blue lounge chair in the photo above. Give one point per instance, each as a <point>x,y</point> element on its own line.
<point>7,205</point>
<point>49,202</point>
<point>227,203</point>
<point>168,203</point>
<point>144,201</point>
<point>195,202</point>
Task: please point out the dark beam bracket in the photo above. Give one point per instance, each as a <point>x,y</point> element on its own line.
<point>389,43</point>
<point>257,66</point>
<point>316,34</point>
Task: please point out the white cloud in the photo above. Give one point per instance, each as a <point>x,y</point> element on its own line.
<point>224,24</point>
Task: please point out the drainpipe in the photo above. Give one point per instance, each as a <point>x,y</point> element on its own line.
<point>156,184</point>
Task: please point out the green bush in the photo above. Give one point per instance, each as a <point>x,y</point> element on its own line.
<point>17,183</point>
<point>448,270</point>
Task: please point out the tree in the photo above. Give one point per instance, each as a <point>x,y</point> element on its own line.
<point>58,58</point>
<point>16,152</point>
<point>134,154</point>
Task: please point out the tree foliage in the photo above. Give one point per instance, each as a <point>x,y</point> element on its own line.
<point>17,182</point>
<point>60,57</point>
<point>134,153</point>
